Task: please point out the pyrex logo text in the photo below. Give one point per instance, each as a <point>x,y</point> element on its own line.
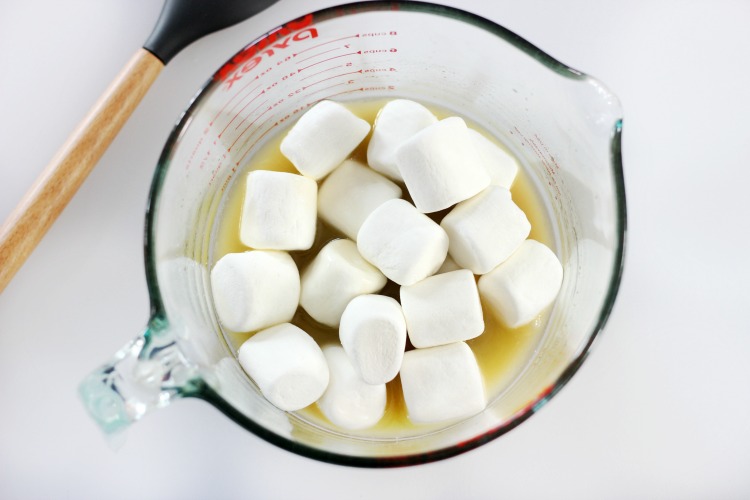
<point>252,56</point>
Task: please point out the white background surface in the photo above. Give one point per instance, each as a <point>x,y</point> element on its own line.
<point>660,410</point>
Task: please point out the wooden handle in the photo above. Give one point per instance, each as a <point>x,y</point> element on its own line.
<point>62,177</point>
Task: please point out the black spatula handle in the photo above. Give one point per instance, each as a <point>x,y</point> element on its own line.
<point>183,21</point>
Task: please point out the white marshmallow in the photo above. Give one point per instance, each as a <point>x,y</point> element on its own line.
<point>520,288</point>
<point>373,334</point>
<point>501,167</point>
<point>335,276</point>
<point>396,122</point>
<point>322,138</point>
<point>441,166</point>
<point>442,309</point>
<point>351,193</point>
<point>405,245</point>
<point>442,383</point>
<point>485,230</point>
<point>287,365</point>
<point>448,265</point>
<point>254,290</point>
<point>349,401</point>
<point>279,211</point>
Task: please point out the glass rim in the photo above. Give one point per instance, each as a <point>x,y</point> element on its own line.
<point>201,390</point>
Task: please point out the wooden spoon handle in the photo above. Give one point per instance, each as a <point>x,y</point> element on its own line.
<point>62,177</point>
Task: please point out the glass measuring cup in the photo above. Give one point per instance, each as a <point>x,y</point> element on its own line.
<point>564,126</point>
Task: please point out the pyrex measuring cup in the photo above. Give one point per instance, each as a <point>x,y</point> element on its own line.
<point>563,125</point>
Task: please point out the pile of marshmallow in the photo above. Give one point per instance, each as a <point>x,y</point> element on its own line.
<point>442,164</point>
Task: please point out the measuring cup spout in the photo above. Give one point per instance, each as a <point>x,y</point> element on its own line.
<point>147,373</point>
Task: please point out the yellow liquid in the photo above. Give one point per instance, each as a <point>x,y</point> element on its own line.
<point>501,353</point>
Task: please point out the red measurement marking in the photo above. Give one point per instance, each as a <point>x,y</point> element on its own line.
<point>206,158</point>
<point>256,142</point>
<point>318,54</point>
<point>324,43</point>
<point>216,171</point>
<point>250,125</point>
<point>324,60</point>
<point>554,161</point>
<point>251,55</point>
<point>330,78</point>
<point>235,104</point>
<point>344,92</point>
<point>326,88</point>
<point>192,155</point>
<point>250,114</point>
<point>240,112</point>
<point>323,71</point>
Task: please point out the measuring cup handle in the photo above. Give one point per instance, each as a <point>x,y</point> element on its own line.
<point>147,373</point>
